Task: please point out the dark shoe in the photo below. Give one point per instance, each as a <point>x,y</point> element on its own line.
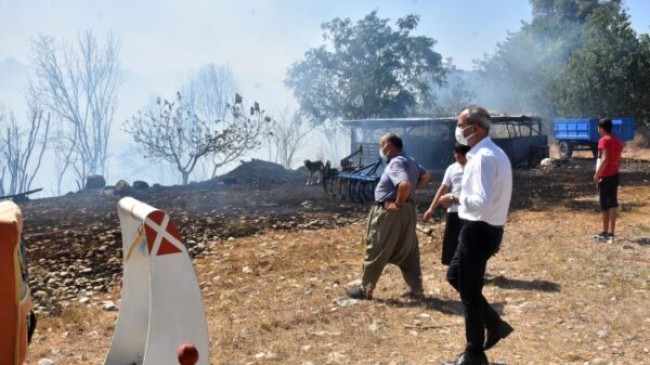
<point>502,331</point>
<point>602,236</point>
<point>469,358</point>
<point>413,294</point>
<point>357,292</point>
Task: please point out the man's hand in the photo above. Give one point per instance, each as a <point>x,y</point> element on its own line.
<point>392,206</point>
<point>428,214</point>
<point>447,200</point>
<point>597,179</point>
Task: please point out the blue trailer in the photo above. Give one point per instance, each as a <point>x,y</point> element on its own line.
<point>582,134</point>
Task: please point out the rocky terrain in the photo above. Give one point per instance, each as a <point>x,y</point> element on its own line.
<point>274,257</point>
<point>74,241</point>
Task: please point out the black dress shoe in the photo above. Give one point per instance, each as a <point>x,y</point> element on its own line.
<point>502,331</point>
<point>413,294</point>
<point>357,292</point>
<point>470,358</point>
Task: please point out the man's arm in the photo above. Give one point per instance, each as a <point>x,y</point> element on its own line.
<point>604,161</point>
<point>403,192</point>
<point>442,190</point>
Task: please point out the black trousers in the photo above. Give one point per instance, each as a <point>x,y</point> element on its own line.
<point>477,242</point>
<point>450,237</point>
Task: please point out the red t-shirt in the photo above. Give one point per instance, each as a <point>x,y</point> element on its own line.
<point>614,148</point>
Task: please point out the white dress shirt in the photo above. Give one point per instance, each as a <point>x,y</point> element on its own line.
<point>487,184</point>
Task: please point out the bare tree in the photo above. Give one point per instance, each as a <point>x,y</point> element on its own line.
<point>288,137</point>
<point>78,83</point>
<point>176,134</point>
<point>209,92</point>
<point>208,95</point>
<point>22,146</point>
<point>335,141</point>
<point>64,156</point>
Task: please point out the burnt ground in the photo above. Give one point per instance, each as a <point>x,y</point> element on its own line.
<point>74,243</point>
<point>273,258</point>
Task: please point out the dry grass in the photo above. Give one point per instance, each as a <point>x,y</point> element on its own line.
<point>571,300</point>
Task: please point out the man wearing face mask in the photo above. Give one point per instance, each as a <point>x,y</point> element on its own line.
<point>484,199</point>
<point>390,236</point>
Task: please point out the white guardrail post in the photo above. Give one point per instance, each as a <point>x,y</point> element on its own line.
<point>161,307</point>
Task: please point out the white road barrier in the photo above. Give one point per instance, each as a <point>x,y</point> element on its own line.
<point>161,306</point>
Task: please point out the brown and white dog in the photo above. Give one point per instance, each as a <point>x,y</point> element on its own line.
<point>314,167</point>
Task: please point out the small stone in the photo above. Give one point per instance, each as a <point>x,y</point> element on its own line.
<point>602,334</point>
<point>109,306</point>
<point>599,361</point>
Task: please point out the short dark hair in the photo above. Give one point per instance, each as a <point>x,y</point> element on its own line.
<point>393,139</point>
<point>606,125</point>
<point>478,115</point>
<point>461,148</point>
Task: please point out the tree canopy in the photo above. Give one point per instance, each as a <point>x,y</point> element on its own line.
<point>576,58</point>
<point>365,69</point>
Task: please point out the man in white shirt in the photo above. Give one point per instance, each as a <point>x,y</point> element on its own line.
<point>484,198</point>
<point>450,183</point>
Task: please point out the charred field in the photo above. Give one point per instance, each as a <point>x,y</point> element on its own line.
<point>274,257</point>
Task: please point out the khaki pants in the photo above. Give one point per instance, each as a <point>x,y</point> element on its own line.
<point>391,239</point>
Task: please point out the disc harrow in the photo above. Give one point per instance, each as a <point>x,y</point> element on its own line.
<point>357,185</point>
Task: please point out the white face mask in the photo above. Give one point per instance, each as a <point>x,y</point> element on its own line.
<point>460,138</point>
<point>382,155</point>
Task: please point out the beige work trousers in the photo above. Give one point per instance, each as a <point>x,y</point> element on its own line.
<point>391,239</point>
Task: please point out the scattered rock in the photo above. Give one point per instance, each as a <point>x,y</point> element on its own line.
<point>603,333</point>
<point>346,301</point>
<point>109,306</point>
<point>599,361</point>
<point>122,188</point>
<point>140,185</point>
<point>95,182</point>
<point>270,356</point>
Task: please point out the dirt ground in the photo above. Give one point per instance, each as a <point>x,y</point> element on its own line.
<point>274,259</point>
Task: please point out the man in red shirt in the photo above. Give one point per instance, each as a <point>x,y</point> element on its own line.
<point>607,177</point>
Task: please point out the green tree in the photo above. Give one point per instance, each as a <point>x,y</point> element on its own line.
<point>365,69</point>
<point>522,75</point>
<point>609,75</point>
<point>575,58</point>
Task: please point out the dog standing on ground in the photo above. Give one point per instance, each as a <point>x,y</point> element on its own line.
<point>314,167</point>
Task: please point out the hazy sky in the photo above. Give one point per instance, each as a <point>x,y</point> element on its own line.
<point>259,39</point>
<point>163,41</point>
